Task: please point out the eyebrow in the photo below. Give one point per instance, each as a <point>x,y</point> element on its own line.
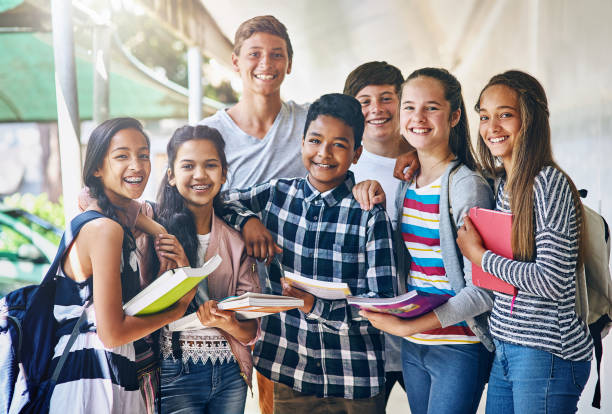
<point>501,107</point>
<point>316,134</point>
<point>128,149</point>
<point>261,47</point>
<point>190,160</point>
<point>428,102</point>
<point>368,94</point>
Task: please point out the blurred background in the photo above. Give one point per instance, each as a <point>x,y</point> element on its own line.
<point>167,63</point>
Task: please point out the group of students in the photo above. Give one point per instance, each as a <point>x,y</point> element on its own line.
<point>327,356</point>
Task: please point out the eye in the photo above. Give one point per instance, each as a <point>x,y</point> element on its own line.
<point>314,140</point>
<point>483,118</point>
<point>278,55</point>
<point>387,99</point>
<point>408,108</point>
<point>186,166</point>
<point>120,157</point>
<point>144,156</point>
<point>211,165</point>
<point>505,115</point>
<point>365,102</point>
<point>340,145</point>
<point>254,54</point>
<point>431,108</point>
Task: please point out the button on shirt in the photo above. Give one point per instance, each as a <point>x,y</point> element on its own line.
<point>331,351</point>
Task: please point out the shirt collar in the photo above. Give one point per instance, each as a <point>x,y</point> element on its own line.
<point>333,196</point>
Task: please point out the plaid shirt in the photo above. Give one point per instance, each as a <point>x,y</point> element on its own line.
<point>332,351</point>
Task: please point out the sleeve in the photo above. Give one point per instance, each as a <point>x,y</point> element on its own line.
<point>240,205</point>
<point>556,243</point>
<point>467,192</point>
<point>380,274</point>
<point>248,281</point>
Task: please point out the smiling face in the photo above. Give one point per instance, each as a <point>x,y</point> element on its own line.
<point>126,167</point>
<point>262,63</point>
<point>379,104</point>
<point>328,151</point>
<point>425,115</point>
<point>197,173</point>
<point>500,120</point>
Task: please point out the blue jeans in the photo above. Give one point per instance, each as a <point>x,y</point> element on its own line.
<point>202,388</point>
<point>443,379</point>
<point>529,380</point>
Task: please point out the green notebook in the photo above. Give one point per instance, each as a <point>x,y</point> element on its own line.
<point>168,288</point>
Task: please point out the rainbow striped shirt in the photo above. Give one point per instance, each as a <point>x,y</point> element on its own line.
<point>421,234</point>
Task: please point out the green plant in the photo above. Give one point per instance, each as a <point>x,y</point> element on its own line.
<point>43,208</point>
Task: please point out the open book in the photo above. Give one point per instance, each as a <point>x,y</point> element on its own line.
<point>409,305</point>
<point>247,306</point>
<point>495,229</point>
<point>168,288</point>
<point>318,288</point>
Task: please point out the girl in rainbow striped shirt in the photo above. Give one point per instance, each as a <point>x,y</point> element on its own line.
<point>446,354</point>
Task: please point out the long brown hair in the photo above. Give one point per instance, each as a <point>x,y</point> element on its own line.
<point>531,152</point>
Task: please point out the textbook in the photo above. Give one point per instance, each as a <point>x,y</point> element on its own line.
<point>407,306</point>
<point>168,288</point>
<point>318,288</point>
<point>260,302</point>
<point>495,229</point>
<point>247,306</point>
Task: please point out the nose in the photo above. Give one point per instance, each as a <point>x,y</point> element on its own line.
<point>324,150</point>
<point>419,115</point>
<point>199,173</point>
<point>494,125</point>
<point>265,60</point>
<point>376,106</point>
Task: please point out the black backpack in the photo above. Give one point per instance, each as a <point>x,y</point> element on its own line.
<point>27,336</point>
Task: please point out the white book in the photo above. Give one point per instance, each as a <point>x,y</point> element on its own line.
<point>260,302</point>
<point>318,288</point>
<point>249,305</point>
<point>168,288</point>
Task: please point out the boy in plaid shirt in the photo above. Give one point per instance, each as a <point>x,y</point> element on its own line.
<point>323,354</point>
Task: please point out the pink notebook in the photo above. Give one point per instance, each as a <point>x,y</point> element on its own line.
<point>495,228</point>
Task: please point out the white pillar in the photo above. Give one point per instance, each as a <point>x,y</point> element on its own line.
<point>101,53</point>
<point>194,79</point>
<point>67,104</point>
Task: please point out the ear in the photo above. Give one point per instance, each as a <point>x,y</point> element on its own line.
<point>235,63</point>
<point>455,117</point>
<point>224,176</point>
<point>358,152</point>
<point>171,179</point>
<point>289,66</point>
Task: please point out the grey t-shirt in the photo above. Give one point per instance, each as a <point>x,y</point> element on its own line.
<point>252,160</point>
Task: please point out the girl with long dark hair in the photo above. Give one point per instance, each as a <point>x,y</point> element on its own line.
<point>543,349</point>
<point>100,372</point>
<point>207,369</point>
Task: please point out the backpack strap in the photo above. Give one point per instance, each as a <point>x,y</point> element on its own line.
<point>450,205</point>
<point>67,238</point>
<point>73,336</point>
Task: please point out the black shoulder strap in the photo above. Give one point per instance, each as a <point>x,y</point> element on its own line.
<point>68,237</point>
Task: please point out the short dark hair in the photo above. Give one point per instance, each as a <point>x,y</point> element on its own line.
<point>373,73</point>
<point>262,24</point>
<point>340,106</point>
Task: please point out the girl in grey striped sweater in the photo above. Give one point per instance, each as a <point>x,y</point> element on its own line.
<point>543,349</point>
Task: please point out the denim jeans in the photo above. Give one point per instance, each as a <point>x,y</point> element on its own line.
<point>530,380</point>
<point>443,379</point>
<point>203,388</point>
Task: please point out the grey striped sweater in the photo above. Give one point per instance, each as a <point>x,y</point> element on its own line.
<point>543,316</point>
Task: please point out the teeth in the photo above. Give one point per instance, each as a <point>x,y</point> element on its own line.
<point>323,165</point>
<point>419,130</point>
<point>133,179</point>
<point>201,187</point>
<point>265,77</point>
<point>377,121</point>
<point>498,139</point>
